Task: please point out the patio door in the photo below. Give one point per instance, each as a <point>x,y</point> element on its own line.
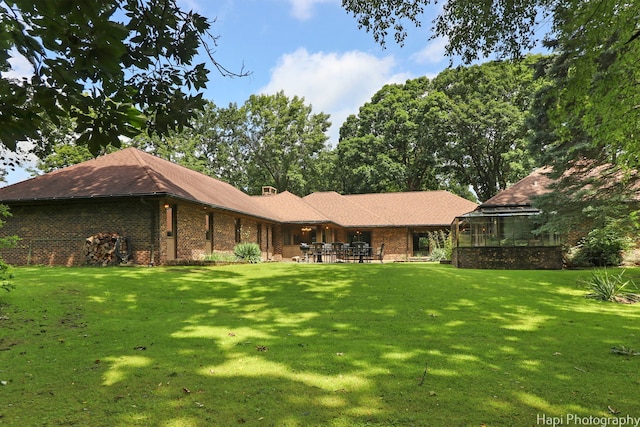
<point>172,225</point>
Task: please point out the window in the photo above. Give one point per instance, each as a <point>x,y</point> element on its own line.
<point>359,236</point>
<point>208,227</point>
<point>501,230</point>
<point>238,230</point>
<point>171,220</point>
<point>259,234</point>
<point>297,235</point>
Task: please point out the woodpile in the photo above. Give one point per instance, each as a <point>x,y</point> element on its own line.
<point>107,249</point>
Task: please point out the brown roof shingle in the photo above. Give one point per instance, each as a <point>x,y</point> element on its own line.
<point>391,209</point>
<point>289,208</point>
<point>131,172</point>
<point>416,207</point>
<point>343,211</point>
<point>521,193</point>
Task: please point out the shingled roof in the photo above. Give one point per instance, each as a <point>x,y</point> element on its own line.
<point>413,208</point>
<point>131,172</point>
<point>289,208</point>
<point>522,192</point>
<point>416,207</point>
<point>134,173</point>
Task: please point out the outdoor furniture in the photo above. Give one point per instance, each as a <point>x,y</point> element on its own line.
<point>304,248</point>
<point>329,255</point>
<point>359,251</point>
<point>318,251</point>
<point>338,251</point>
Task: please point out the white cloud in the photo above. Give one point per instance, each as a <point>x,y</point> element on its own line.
<point>303,9</point>
<point>20,67</point>
<point>432,53</point>
<point>335,84</point>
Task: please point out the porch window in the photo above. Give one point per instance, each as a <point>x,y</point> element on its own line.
<point>500,230</point>
<point>296,235</point>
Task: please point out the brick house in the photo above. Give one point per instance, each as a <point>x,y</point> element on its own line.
<point>170,212</point>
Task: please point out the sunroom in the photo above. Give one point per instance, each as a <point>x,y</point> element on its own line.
<point>504,238</point>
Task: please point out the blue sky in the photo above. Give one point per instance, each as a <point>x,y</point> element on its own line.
<point>306,48</point>
<point>312,49</point>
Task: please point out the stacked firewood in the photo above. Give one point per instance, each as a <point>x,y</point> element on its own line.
<point>101,249</point>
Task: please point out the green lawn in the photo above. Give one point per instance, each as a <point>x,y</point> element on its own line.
<point>301,345</point>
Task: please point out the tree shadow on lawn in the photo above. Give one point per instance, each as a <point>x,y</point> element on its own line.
<point>349,345</point>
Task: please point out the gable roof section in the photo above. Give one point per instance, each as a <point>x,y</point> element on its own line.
<point>522,192</point>
<point>415,208</point>
<point>344,211</point>
<point>289,208</point>
<point>131,172</point>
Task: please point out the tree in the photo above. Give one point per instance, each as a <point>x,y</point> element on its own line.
<point>281,140</point>
<point>483,133</point>
<point>465,128</point>
<point>382,148</point>
<point>597,45</point>
<point>270,140</point>
<point>210,144</point>
<point>115,67</point>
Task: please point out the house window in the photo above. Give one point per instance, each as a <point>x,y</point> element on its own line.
<point>359,236</point>
<point>502,231</point>
<point>296,235</point>
<point>259,234</point>
<point>421,244</point>
<point>208,227</point>
<point>171,220</point>
<point>238,230</point>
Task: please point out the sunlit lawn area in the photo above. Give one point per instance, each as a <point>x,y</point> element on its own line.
<point>302,345</point>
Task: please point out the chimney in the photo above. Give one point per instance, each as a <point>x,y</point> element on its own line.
<point>269,191</point>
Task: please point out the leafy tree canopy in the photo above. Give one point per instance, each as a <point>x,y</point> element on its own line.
<point>464,129</point>
<point>270,140</point>
<point>597,45</point>
<point>115,67</point>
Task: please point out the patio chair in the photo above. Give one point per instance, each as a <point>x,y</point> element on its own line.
<point>338,251</point>
<point>318,251</point>
<point>359,251</point>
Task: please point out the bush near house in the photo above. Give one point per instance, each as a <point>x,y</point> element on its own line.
<point>249,252</point>
<point>602,247</point>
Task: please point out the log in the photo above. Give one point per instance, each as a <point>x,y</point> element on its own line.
<point>101,249</point>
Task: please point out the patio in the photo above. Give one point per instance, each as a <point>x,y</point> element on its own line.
<point>338,252</point>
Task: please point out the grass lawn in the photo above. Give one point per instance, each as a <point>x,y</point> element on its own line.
<point>302,345</point>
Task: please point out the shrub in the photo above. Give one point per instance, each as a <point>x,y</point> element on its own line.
<point>249,252</point>
<point>6,242</point>
<point>611,287</point>
<point>602,247</point>
<point>441,245</point>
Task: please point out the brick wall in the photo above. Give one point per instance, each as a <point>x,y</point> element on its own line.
<point>224,237</point>
<point>55,233</point>
<point>509,258</point>
<point>395,242</point>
